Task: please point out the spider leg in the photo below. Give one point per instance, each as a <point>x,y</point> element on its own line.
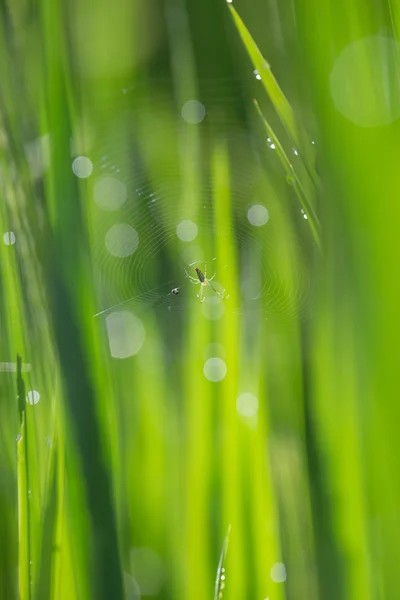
<point>219,293</point>
<point>211,278</point>
<point>200,294</point>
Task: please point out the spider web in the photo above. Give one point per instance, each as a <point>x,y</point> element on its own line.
<point>156,202</point>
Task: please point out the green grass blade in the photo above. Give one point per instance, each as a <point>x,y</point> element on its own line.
<point>23,518</point>
<point>20,389</point>
<point>48,546</point>
<point>220,579</point>
<point>269,82</point>
<point>23,493</point>
<point>294,178</point>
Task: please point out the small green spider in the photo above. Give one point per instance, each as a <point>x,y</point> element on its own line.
<point>204,280</point>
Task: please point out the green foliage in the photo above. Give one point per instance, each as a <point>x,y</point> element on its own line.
<point>220,581</point>
<point>118,479</point>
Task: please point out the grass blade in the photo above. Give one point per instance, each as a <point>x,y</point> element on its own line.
<point>269,82</point>
<point>304,198</point>
<point>220,579</point>
<point>46,577</point>
<point>23,493</point>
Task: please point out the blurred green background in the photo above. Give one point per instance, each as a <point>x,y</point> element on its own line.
<point>141,423</point>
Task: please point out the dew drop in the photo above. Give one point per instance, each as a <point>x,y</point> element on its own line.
<point>9,238</point>
<point>33,397</point>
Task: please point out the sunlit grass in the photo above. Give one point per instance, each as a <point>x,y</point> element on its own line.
<point>138,455</point>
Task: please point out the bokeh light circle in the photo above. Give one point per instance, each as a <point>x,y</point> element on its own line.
<point>215,369</point>
<point>278,572</point>
<point>193,112</point>
<point>109,193</point>
<point>186,230</point>
<point>82,167</point>
<point>364,84</point>
<point>247,404</point>
<point>258,215</point>
<point>122,240</point>
<point>126,334</point>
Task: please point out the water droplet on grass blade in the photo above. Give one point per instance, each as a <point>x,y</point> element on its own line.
<point>291,179</point>
<point>9,238</point>
<point>33,397</point>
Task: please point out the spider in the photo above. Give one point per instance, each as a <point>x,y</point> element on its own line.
<point>204,280</point>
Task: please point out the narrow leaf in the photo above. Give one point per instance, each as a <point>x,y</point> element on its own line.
<point>220,579</point>
<point>269,82</point>
<point>305,201</point>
